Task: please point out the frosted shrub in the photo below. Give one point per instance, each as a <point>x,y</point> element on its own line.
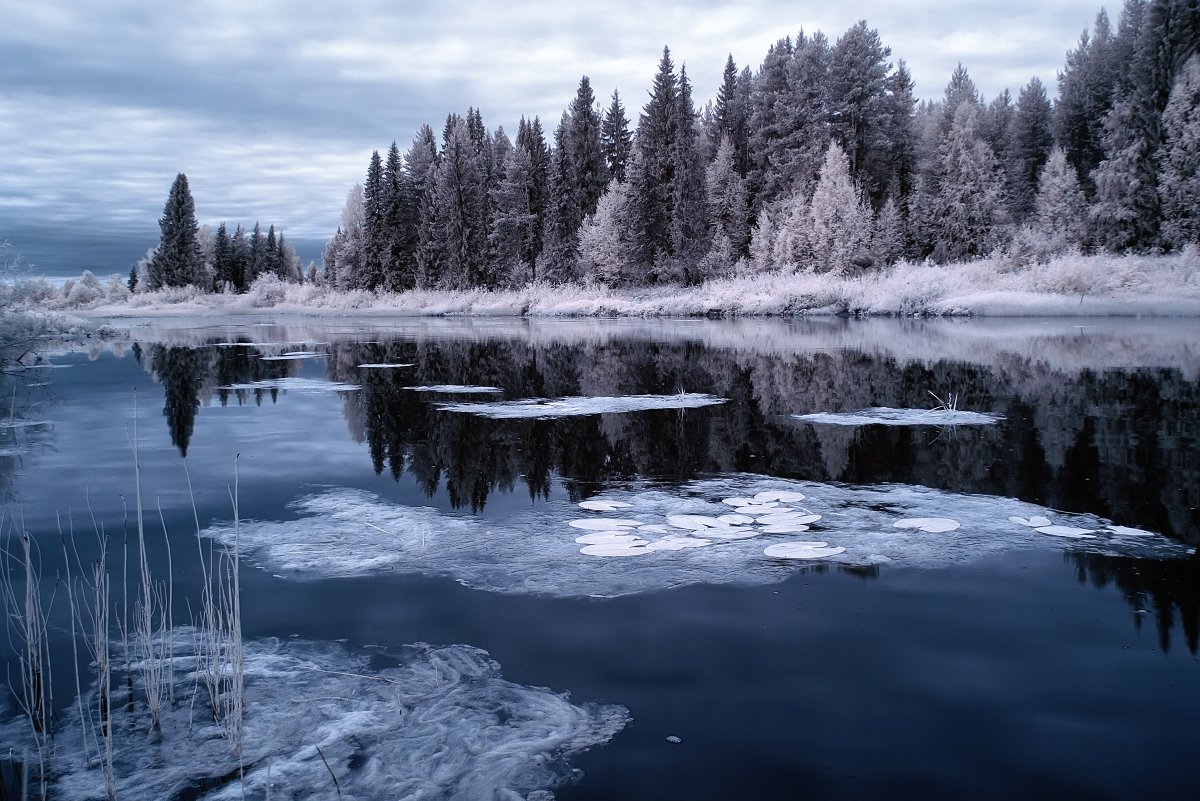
<point>116,291</point>
<point>84,292</point>
<point>266,291</point>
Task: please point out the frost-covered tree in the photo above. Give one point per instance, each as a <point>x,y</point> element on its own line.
<point>1179,159</point>
<point>459,195</point>
<point>968,205</point>
<point>177,260</point>
<point>603,251</point>
<point>728,202</point>
<point>1059,219</point>
<point>344,254</point>
<point>839,235</point>
<point>860,108</point>
<point>731,115</point>
<point>689,219</point>
<point>1126,211</point>
<point>511,237</point>
<point>887,241</point>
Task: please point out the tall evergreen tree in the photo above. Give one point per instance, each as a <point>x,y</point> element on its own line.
<point>1179,159</point>
<point>511,235</point>
<point>969,191</point>
<point>689,219</point>
<point>615,138</point>
<point>222,260</point>
<point>239,259</point>
<point>651,202</point>
<point>839,234</point>
<point>1085,95</point>
<point>860,109</point>
<point>1060,208</point>
<point>586,149</point>
<point>272,263</point>
<point>1030,137</point>
<point>731,115</point>
<point>375,239</point>
<point>564,215</point>
<point>461,233</point>
<point>531,137</point>
<point>177,260</point>
<point>728,202</point>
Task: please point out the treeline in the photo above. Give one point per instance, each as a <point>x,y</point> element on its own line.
<point>188,255</point>
<point>820,160</point>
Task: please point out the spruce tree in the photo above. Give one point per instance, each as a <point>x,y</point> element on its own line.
<point>968,202</point>
<point>651,201</point>
<point>177,260</point>
<point>1030,137</point>
<point>839,235</point>
<point>689,219</point>
<point>375,237</point>
<point>728,202</point>
<point>461,233</point>
<point>222,260</point>
<point>586,149</point>
<point>859,107</point>
<point>1085,95</point>
<point>1060,208</point>
<point>616,139</point>
<point>564,215</point>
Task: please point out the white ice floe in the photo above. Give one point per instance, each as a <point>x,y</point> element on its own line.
<point>884,416</point>
<point>603,506</point>
<point>605,523</point>
<point>933,525</point>
<point>1032,522</point>
<point>777,518</point>
<point>295,355</point>
<point>423,723</point>
<point>784,528</point>
<point>609,538</point>
<point>618,549</point>
<point>346,532</point>
<point>384,366</point>
<point>736,519</point>
<point>802,550</point>
<point>296,384</point>
<point>458,389</point>
<point>569,407</point>
<point>1069,532</point>
<point>781,496</point>
<point>695,522</point>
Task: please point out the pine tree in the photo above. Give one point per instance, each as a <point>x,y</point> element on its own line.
<point>859,107</point>
<point>561,248</point>
<point>1030,138</point>
<point>177,260</point>
<point>650,200</point>
<point>222,260</point>
<point>240,258</point>
<point>511,236</point>
<point>689,219</point>
<point>461,233</point>
<point>616,139</point>
<point>731,115</point>
<point>421,163</point>
<point>1179,159</point>
<point>1085,95</point>
<point>398,271</point>
<point>728,203</point>
<point>969,197</point>
<point>272,264</point>
<point>586,150</point>
<point>375,237</point>
<point>533,140</point>
<point>887,241</point>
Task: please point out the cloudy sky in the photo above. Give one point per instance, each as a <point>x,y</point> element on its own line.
<point>272,108</point>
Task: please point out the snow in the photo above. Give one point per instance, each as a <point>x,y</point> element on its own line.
<point>296,384</point>
<point>541,408</point>
<point>885,416</point>
<point>349,532</point>
<point>435,723</point>
<point>1099,285</point>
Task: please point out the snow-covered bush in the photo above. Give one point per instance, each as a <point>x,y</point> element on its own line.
<point>87,291</point>
<point>266,291</point>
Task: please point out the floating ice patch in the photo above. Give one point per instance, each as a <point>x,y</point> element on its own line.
<point>458,389</point>
<point>295,355</point>
<point>344,532</point>
<point>781,496</point>
<point>1125,531</point>
<point>802,550</point>
<point>437,723</point>
<point>1069,532</point>
<point>296,385</point>
<point>933,525</point>
<point>604,523</point>
<point>779,518</point>
<point>603,506</point>
<point>571,407</point>
<point>1032,522</point>
<point>784,528</point>
<point>735,520</point>
<point>884,416</point>
<point>618,549</point>
<point>383,366</point>
<point>695,522</point>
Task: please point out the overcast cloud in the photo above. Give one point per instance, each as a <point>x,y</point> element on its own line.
<point>273,108</point>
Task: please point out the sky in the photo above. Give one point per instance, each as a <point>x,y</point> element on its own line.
<point>272,108</point>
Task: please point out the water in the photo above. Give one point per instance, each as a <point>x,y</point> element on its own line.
<point>991,660</point>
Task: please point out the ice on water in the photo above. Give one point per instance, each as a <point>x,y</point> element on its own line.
<point>296,384</point>
<point>885,416</point>
<point>348,532</point>
<point>428,723</point>
<point>571,407</point>
<point>458,389</point>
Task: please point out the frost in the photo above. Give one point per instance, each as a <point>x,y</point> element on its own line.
<point>383,366</point>
<point>347,532</point>
<point>296,385</point>
<point>458,389</point>
<point>933,525</point>
<point>884,416</point>
<point>571,407</point>
<point>433,723</point>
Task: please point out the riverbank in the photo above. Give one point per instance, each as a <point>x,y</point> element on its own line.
<point>1070,286</point>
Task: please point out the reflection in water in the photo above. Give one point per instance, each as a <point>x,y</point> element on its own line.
<point>1121,442</point>
<point>1164,589</point>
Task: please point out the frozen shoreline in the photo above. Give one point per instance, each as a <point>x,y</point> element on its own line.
<point>1069,287</point>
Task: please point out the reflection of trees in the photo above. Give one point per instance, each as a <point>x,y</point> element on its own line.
<point>1167,589</point>
<point>183,373</point>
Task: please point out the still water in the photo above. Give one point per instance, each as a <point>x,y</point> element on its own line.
<point>402,521</point>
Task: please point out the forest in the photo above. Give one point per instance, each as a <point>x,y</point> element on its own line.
<point>820,161</point>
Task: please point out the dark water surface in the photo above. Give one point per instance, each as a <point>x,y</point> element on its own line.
<point>988,662</point>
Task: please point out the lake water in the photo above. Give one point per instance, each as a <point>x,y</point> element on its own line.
<point>415,603</point>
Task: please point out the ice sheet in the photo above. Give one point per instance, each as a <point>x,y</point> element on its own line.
<point>885,416</point>
<point>427,723</point>
<point>296,385</point>
<point>570,407</point>
<point>347,532</point>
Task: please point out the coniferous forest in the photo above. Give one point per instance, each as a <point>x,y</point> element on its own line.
<point>820,160</point>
